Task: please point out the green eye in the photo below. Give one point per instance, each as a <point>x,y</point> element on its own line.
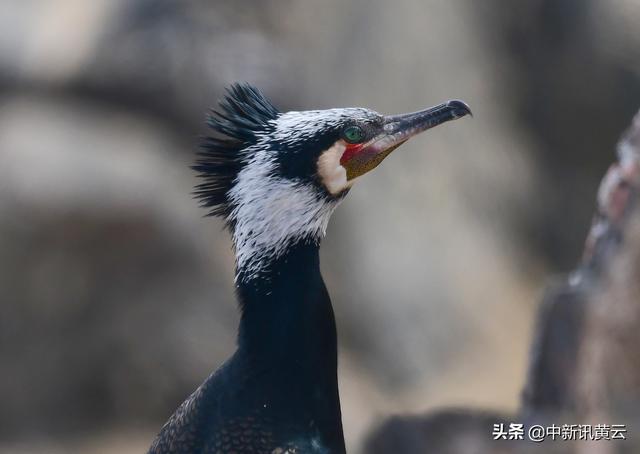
<point>353,134</point>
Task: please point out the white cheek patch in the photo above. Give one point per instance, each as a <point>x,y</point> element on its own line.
<point>332,174</point>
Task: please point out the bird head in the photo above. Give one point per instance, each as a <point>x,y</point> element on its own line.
<point>277,177</point>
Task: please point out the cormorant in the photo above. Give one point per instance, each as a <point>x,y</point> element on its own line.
<point>276,178</point>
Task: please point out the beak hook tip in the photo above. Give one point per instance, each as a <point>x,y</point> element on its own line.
<point>460,108</point>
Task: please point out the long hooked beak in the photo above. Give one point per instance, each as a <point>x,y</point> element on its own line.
<point>396,131</point>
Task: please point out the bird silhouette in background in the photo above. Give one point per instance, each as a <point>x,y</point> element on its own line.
<point>276,178</point>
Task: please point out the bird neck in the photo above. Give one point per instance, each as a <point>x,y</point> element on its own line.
<point>287,315</point>
<point>287,338</point>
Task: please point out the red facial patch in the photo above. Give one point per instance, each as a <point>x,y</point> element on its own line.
<point>351,150</point>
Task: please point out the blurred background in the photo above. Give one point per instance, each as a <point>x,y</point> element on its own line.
<point>116,295</point>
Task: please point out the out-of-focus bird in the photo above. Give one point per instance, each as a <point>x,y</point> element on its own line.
<point>276,179</point>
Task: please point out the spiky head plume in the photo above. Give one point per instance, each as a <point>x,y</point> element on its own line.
<point>243,115</point>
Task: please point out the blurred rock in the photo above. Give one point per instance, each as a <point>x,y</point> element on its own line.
<point>573,69</point>
<point>584,364</point>
<point>453,431</point>
<point>106,278</point>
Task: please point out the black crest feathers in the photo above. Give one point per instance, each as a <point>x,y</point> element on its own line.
<point>243,114</point>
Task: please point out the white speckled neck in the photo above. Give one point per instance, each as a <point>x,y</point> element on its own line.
<point>271,212</point>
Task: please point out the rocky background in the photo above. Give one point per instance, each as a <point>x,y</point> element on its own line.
<point>116,295</point>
